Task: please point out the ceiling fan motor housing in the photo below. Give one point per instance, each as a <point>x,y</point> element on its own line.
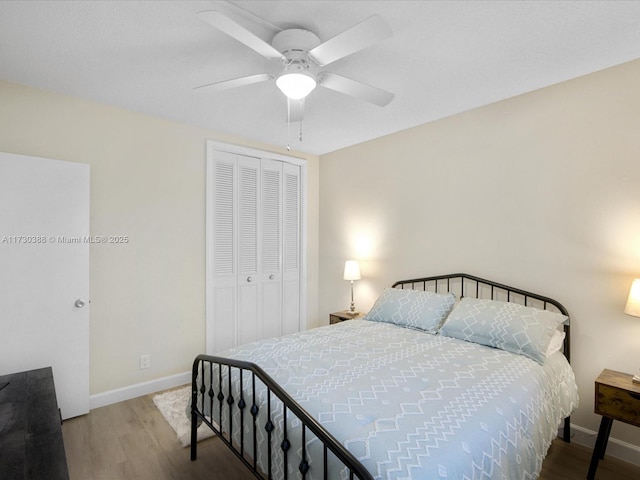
<point>295,44</point>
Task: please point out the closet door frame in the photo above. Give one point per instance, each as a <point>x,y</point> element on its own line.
<point>212,147</point>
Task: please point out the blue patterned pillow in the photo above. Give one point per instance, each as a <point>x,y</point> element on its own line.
<point>508,326</point>
<point>412,308</point>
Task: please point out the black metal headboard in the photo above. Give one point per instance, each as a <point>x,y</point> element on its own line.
<point>465,285</point>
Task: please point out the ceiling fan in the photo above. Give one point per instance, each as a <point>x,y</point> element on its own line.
<point>296,57</point>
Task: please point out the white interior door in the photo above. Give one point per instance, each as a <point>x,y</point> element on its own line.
<point>44,273</point>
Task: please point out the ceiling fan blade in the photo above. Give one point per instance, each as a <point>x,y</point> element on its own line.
<point>223,23</point>
<point>238,82</point>
<point>368,32</point>
<point>355,89</point>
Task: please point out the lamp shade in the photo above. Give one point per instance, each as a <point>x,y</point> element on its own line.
<point>295,85</point>
<point>633,302</point>
<point>351,270</point>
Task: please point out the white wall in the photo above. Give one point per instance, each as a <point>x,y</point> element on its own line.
<point>147,182</point>
<point>541,192</point>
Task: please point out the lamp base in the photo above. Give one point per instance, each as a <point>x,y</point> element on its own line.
<point>353,313</point>
<point>636,379</point>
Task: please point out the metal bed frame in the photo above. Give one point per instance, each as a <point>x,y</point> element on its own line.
<point>206,386</point>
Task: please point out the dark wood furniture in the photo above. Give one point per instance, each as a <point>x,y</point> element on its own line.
<point>616,398</point>
<point>337,317</point>
<point>31,446</point>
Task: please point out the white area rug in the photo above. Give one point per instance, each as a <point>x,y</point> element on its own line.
<point>173,406</point>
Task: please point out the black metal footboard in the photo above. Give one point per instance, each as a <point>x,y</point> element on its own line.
<point>247,409</point>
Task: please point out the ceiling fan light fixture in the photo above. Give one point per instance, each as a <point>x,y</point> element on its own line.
<point>296,85</point>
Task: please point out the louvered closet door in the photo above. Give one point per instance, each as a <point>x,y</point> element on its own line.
<point>253,249</point>
<point>271,248</point>
<point>221,331</point>
<point>291,248</point>
<point>249,233</point>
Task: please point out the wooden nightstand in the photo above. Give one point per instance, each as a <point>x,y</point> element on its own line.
<point>617,398</point>
<point>338,317</point>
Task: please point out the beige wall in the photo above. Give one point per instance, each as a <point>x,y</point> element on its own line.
<point>147,182</point>
<point>541,192</point>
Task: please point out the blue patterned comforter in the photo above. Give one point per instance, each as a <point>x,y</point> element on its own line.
<point>412,405</point>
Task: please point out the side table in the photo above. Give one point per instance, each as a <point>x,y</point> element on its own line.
<point>343,315</point>
<point>616,398</point>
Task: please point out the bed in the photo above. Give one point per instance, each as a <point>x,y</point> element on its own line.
<point>451,377</point>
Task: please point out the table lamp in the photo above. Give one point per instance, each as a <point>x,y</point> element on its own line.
<point>351,273</point>
<point>633,308</point>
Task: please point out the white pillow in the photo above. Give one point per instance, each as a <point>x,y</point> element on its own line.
<point>556,343</point>
<point>508,326</point>
<point>412,308</point>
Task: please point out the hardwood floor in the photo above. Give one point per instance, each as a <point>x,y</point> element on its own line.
<point>132,441</point>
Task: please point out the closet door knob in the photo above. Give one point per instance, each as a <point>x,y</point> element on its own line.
<point>271,277</point>
<point>249,279</point>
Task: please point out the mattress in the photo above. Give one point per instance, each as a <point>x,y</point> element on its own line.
<point>410,404</point>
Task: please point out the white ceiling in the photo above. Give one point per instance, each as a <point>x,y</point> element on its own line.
<point>445,57</point>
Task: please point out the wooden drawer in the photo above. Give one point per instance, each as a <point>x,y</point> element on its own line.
<point>618,403</point>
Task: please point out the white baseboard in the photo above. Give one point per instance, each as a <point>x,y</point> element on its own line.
<point>616,448</point>
<point>138,390</point>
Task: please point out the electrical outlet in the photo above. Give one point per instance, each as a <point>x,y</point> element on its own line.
<point>145,361</point>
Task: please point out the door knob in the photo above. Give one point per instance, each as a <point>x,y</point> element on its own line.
<point>249,279</point>
<point>79,303</point>
<point>271,277</point>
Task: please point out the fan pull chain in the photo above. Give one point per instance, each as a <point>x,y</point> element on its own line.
<point>288,124</point>
<point>301,113</point>
<point>302,103</point>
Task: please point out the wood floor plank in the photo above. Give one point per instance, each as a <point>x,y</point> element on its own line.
<point>105,448</point>
<point>75,434</point>
<point>124,418</point>
<point>571,462</point>
<point>119,471</point>
<point>132,441</point>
